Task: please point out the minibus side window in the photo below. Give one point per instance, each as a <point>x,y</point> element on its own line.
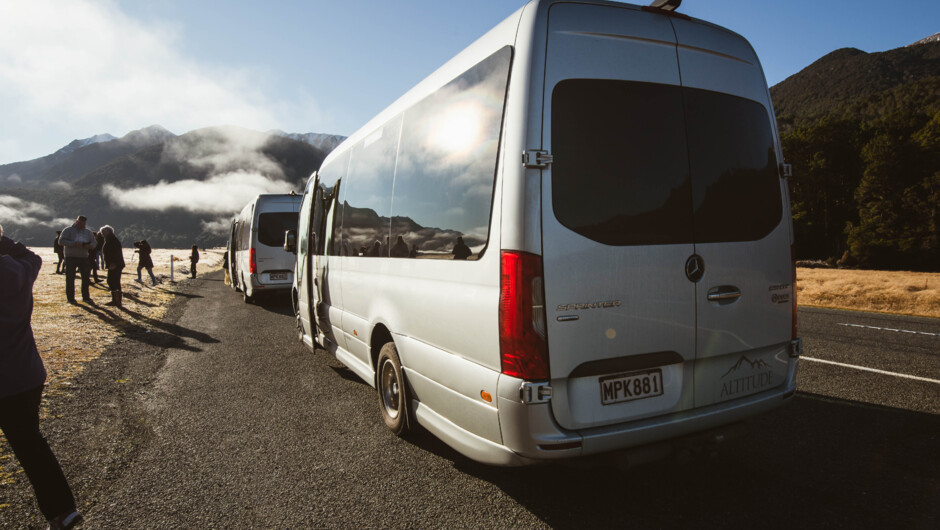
<point>244,234</point>
<point>369,192</point>
<point>447,165</point>
<point>330,176</point>
<point>303,232</point>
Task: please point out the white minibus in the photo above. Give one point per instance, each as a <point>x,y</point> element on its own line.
<point>573,239</point>
<point>257,259</point>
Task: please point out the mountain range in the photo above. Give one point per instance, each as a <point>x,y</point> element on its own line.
<point>174,191</point>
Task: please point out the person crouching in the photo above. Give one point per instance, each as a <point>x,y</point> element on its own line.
<point>113,256</point>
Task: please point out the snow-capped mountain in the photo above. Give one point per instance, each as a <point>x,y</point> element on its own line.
<point>75,145</point>
<point>933,38</point>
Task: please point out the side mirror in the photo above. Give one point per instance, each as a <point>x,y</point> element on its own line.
<point>290,241</point>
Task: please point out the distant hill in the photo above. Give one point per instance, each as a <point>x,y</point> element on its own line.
<point>79,157</point>
<point>868,85</point>
<point>173,190</point>
<point>862,131</point>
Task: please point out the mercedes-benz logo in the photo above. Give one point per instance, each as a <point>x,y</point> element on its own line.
<point>694,268</point>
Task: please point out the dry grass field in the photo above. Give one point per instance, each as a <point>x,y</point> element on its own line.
<point>906,293</point>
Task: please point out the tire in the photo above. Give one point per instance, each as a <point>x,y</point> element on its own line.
<point>392,391</point>
<point>300,329</point>
<point>245,297</point>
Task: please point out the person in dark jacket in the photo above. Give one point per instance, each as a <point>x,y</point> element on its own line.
<point>99,239</point>
<point>59,269</point>
<point>22,377</point>
<point>461,250</point>
<point>92,255</point>
<point>113,257</point>
<point>143,248</point>
<point>193,260</point>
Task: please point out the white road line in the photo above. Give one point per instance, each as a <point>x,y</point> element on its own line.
<point>863,368</point>
<point>892,329</point>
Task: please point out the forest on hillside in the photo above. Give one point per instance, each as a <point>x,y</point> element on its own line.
<point>866,178</point>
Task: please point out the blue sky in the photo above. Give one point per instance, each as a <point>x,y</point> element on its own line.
<point>74,68</point>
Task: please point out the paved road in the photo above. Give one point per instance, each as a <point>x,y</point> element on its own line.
<point>243,427</point>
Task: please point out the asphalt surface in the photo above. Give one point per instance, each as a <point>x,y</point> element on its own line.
<point>219,418</point>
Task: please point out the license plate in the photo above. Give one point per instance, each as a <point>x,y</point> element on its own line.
<point>631,386</point>
<point>278,276</point>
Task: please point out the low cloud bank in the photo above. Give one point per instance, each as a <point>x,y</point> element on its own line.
<point>218,226</point>
<point>16,211</point>
<point>219,194</point>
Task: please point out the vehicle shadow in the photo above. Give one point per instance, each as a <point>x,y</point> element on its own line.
<point>167,336</point>
<point>817,462</point>
<point>278,302</point>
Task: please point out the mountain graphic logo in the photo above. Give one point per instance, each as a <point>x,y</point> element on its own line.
<point>754,365</point>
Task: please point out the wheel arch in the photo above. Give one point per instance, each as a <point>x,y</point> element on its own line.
<point>380,336</point>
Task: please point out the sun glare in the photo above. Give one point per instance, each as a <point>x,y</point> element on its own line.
<point>458,128</point>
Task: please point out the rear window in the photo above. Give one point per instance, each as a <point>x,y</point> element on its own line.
<point>271,227</point>
<point>644,163</point>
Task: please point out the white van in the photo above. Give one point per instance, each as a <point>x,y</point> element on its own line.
<point>572,239</point>
<point>257,259</point>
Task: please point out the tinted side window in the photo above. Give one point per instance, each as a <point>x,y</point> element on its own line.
<point>331,176</point>
<point>643,164</point>
<point>271,227</point>
<point>736,185</point>
<point>306,207</point>
<point>368,203</point>
<point>620,175</point>
<point>244,234</point>
<point>447,165</point>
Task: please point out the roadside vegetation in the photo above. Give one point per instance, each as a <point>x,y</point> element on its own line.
<point>900,292</point>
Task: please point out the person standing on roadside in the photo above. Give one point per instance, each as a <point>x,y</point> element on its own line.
<point>22,377</point>
<point>76,241</point>
<point>145,262</point>
<point>193,260</point>
<point>113,256</point>
<point>59,269</point>
<point>93,258</point>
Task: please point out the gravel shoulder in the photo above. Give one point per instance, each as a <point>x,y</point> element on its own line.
<point>96,422</point>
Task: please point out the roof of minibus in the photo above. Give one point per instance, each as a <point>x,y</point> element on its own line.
<point>502,34</point>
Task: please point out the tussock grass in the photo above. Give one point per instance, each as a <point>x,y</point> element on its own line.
<point>70,336</point>
<point>907,293</point>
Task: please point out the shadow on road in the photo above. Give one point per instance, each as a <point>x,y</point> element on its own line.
<point>817,462</point>
<point>165,335</point>
<point>277,302</point>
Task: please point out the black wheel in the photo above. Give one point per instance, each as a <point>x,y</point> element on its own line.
<point>300,328</point>
<point>245,297</point>
<point>392,391</point>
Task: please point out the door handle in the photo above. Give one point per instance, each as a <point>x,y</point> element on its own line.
<point>724,294</point>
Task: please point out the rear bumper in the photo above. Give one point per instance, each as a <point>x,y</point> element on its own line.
<point>530,431</point>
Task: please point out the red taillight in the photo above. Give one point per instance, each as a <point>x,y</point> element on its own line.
<point>522,348</point>
<point>252,265</point>
<point>793,262</point>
